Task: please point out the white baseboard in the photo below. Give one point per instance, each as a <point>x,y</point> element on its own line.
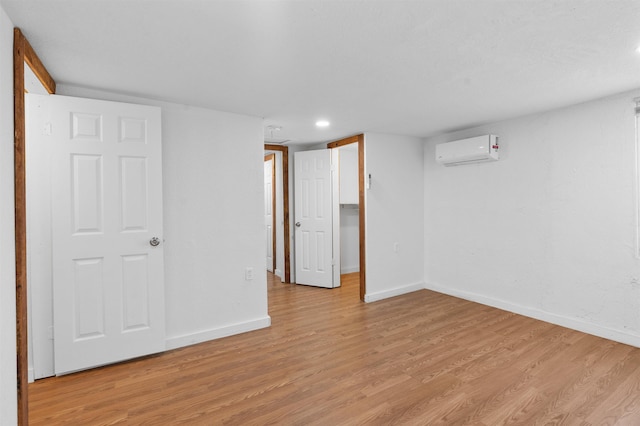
<point>397,291</point>
<point>350,270</point>
<point>561,320</point>
<point>216,333</point>
<point>31,374</point>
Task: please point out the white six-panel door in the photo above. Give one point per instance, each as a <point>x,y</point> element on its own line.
<point>313,218</point>
<point>108,278</point>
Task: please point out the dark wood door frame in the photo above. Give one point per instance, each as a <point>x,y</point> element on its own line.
<point>359,139</point>
<point>285,205</point>
<point>272,158</point>
<point>23,53</point>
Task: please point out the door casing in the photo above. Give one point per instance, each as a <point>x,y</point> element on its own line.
<point>272,158</point>
<point>23,54</point>
<point>285,206</point>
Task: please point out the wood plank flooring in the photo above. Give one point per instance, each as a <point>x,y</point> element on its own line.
<point>419,359</point>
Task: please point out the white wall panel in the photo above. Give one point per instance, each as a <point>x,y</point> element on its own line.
<point>133,191</point>
<point>320,203</point>
<point>320,240</point>
<point>87,192</point>
<point>132,130</point>
<point>306,244</point>
<point>394,215</point>
<point>306,194</point>
<point>135,292</point>
<point>86,127</point>
<point>88,298</point>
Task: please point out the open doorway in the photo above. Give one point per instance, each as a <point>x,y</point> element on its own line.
<point>351,151</point>
<point>270,222</point>
<point>357,144</point>
<point>312,164</point>
<point>349,213</point>
<point>281,238</point>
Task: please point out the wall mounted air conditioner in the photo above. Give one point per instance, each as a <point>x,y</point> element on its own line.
<point>468,151</point>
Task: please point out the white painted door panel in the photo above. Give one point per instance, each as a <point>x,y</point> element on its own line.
<point>268,211</point>
<point>108,281</point>
<point>335,213</point>
<point>313,218</point>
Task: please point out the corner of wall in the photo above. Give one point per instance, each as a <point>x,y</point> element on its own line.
<point>217,333</point>
<point>392,292</point>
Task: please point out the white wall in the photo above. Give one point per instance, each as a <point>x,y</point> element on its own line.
<point>550,230</point>
<point>349,238</point>
<point>8,379</point>
<point>394,214</point>
<point>349,213</point>
<point>214,220</point>
<point>349,189</point>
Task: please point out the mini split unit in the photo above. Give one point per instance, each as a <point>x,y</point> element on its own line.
<point>480,149</point>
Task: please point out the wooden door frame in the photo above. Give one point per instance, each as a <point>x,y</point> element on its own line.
<point>272,158</point>
<point>23,54</point>
<point>285,205</point>
<point>359,139</point>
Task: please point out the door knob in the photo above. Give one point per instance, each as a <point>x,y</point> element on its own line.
<point>155,241</point>
<point>297,224</point>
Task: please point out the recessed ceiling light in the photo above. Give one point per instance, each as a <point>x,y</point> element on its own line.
<point>638,49</point>
<point>322,123</point>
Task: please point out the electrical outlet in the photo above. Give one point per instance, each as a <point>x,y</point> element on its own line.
<point>248,274</point>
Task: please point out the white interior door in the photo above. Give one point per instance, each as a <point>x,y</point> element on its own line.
<point>106,216</point>
<point>313,218</point>
<point>39,254</point>
<point>269,202</point>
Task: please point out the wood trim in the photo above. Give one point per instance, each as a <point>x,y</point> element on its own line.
<point>361,219</point>
<point>22,53</point>
<point>32,59</point>
<point>345,141</point>
<point>272,158</point>
<point>359,139</point>
<point>20,227</point>
<point>285,206</point>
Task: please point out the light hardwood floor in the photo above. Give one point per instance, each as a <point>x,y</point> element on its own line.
<point>419,359</point>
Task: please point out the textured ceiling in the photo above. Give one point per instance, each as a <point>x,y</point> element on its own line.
<point>405,67</point>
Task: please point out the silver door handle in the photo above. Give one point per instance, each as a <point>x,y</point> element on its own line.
<point>155,241</point>
<point>297,224</point>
